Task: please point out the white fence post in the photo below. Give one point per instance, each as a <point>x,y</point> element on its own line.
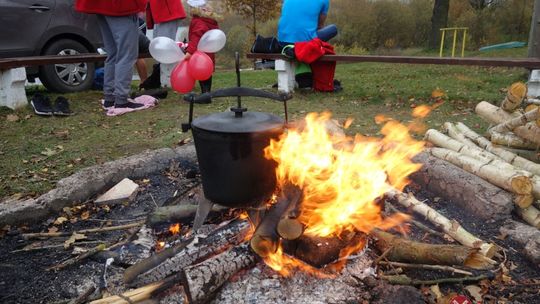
<point>12,93</point>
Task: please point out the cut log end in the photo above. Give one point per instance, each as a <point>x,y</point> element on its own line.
<point>521,184</point>
<point>523,201</point>
<point>263,246</point>
<point>290,229</point>
<point>477,260</point>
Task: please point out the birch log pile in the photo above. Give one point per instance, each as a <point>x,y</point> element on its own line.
<point>470,192</point>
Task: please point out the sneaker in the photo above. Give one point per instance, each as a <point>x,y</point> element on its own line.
<point>41,105</point>
<point>61,107</point>
<point>106,104</point>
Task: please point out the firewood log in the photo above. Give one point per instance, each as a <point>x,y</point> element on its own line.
<point>511,180</point>
<point>197,248</point>
<point>265,240</point>
<point>531,155</point>
<point>453,132</point>
<point>139,294</point>
<point>530,132</point>
<point>526,236</point>
<point>200,281</point>
<point>444,141</point>
<point>492,113</point>
<point>514,96</point>
<point>289,226</point>
<point>470,192</point>
<point>510,125</point>
<point>531,215</point>
<point>508,156</point>
<point>178,214</point>
<point>402,250</point>
<point>531,107</point>
<point>320,251</point>
<point>511,140</point>
<point>451,227</point>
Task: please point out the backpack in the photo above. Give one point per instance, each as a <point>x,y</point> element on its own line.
<point>266,45</point>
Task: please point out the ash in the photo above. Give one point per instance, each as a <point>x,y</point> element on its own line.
<point>261,285</point>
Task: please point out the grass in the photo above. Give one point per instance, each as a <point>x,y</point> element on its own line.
<point>37,151</point>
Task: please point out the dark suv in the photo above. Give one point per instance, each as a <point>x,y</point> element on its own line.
<point>50,27</point>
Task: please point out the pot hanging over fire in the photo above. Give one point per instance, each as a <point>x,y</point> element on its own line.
<point>230,148</point>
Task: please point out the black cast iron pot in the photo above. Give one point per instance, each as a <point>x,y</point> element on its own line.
<point>230,148</point>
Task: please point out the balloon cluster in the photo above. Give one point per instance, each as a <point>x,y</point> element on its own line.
<point>198,67</point>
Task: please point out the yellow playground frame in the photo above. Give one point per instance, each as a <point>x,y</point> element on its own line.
<point>455,30</point>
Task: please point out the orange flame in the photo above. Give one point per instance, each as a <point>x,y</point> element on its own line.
<point>340,176</point>
<point>174,229</point>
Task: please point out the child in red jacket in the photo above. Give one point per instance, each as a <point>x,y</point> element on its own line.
<point>204,17</point>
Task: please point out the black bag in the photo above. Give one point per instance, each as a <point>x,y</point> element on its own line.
<point>266,45</point>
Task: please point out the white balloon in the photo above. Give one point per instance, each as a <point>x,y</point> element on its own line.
<point>165,50</point>
<point>212,41</point>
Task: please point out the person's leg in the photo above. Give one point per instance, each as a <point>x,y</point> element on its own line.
<point>125,31</point>
<point>109,68</point>
<point>206,85</point>
<point>167,29</point>
<point>140,64</point>
<point>328,32</point>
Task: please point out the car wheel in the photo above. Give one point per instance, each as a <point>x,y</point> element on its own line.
<point>69,77</point>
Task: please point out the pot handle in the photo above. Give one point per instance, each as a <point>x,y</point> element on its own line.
<point>238,92</point>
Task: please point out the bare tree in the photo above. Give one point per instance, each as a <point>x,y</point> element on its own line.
<point>256,10</point>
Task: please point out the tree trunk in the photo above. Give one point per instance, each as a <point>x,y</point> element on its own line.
<point>470,192</point>
<point>439,19</point>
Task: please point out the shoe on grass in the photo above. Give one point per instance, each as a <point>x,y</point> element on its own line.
<point>61,107</point>
<point>41,105</point>
<point>106,104</point>
<point>129,105</point>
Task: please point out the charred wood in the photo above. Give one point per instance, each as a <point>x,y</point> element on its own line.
<point>200,281</point>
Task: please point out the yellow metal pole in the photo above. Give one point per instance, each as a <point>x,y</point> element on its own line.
<point>443,31</point>
<point>454,43</point>
<point>463,43</point>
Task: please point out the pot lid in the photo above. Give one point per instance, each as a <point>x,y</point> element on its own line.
<point>249,122</point>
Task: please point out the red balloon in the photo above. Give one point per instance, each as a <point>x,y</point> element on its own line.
<point>200,66</point>
<point>181,80</point>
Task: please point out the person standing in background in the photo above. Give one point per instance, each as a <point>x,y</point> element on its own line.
<point>119,27</point>
<point>164,17</point>
<point>204,17</point>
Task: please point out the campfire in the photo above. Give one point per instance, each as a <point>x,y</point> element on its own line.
<point>337,227</point>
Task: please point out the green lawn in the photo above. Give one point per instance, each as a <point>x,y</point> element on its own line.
<point>38,151</point>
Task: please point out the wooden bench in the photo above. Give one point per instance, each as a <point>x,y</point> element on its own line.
<point>13,74</point>
<point>285,67</point>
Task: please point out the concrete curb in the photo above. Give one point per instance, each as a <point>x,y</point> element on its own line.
<point>90,181</point>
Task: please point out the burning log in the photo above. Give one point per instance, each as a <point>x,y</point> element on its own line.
<point>320,251</point>
<point>178,214</point>
<point>508,156</point>
<point>511,180</point>
<point>510,125</point>
<point>450,227</point>
<point>265,239</point>
<point>200,281</point>
<point>471,192</point>
<point>526,236</point>
<point>402,250</point>
<point>195,249</point>
<point>289,226</point>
